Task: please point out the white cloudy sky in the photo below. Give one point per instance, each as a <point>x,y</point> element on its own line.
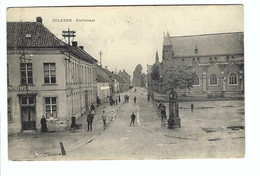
<point>131,35</point>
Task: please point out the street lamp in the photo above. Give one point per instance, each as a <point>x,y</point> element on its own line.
<point>174,121</point>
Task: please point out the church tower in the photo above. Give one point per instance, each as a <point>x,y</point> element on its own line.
<point>167,48</point>
<point>157,58</point>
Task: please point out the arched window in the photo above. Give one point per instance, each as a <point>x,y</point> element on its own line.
<point>213,80</point>
<point>232,78</point>
<point>196,80</point>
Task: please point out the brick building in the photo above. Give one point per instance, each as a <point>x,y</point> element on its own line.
<point>46,77</point>
<point>217,59</point>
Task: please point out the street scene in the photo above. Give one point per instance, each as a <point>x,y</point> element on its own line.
<point>132,86</point>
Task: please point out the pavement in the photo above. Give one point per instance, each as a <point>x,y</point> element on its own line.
<point>206,132</point>
<point>38,146</point>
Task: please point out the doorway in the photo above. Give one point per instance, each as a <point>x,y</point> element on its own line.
<point>28,115</point>
<point>28,118</point>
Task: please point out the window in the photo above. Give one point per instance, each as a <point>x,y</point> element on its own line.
<point>49,73</point>
<point>9,110</point>
<point>232,79</point>
<point>51,107</point>
<point>26,73</point>
<point>213,80</point>
<point>25,101</point>
<point>196,80</point>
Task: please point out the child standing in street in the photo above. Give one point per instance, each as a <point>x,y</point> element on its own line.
<point>132,119</point>
<point>104,118</point>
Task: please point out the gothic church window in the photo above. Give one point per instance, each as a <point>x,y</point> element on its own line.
<point>196,80</point>
<point>232,79</point>
<point>213,80</point>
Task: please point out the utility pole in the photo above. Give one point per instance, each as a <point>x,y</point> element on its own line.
<point>100,56</point>
<point>68,34</point>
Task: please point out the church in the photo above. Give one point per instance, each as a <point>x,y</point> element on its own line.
<point>217,60</point>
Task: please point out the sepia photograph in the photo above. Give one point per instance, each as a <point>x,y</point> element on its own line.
<point>146,82</point>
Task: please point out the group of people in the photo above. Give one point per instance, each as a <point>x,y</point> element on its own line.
<point>113,101</point>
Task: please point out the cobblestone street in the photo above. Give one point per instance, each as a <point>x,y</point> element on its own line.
<point>204,133</point>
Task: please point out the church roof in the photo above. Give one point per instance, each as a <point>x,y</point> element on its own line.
<point>208,44</point>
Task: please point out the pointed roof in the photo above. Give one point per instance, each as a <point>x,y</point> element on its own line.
<point>156,57</point>
<point>167,39</point>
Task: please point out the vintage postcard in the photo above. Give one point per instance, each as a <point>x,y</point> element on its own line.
<point>125,82</point>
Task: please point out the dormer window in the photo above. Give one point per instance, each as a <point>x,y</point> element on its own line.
<point>227,58</point>
<point>28,35</point>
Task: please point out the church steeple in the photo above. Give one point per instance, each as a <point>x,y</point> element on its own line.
<point>157,58</point>
<point>167,39</point>
<point>167,54</point>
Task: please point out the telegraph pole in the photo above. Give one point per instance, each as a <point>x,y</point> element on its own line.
<point>68,34</point>
<point>100,56</point>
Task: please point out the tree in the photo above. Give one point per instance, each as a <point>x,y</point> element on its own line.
<point>175,76</point>
<point>137,75</point>
<point>155,75</point>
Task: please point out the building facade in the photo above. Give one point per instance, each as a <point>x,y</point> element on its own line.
<point>46,77</point>
<point>125,80</point>
<point>217,60</point>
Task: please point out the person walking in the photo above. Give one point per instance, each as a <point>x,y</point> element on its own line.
<point>104,117</point>
<point>148,97</point>
<point>135,100</point>
<point>133,119</point>
<point>92,108</point>
<point>43,124</point>
<point>192,107</point>
<point>163,116</point>
<point>90,118</point>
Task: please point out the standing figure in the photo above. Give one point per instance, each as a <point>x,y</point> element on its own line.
<point>43,125</point>
<point>134,99</point>
<point>119,99</point>
<point>92,108</point>
<point>163,116</point>
<point>90,118</point>
<point>104,117</point>
<point>132,119</point>
<point>98,101</point>
<point>73,124</point>
<point>192,107</point>
<point>148,97</point>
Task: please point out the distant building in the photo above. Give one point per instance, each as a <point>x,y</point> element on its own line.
<point>46,77</point>
<point>125,80</point>
<point>217,59</point>
<point>103,86</point>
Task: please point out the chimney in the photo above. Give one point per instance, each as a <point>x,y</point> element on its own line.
<point>74,43</point>
<point>81,47</point>
<point>39,19</point>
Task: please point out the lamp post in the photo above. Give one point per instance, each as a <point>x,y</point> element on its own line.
<point>174,121</point>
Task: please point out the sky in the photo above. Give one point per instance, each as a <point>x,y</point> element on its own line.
<point>131,35</point>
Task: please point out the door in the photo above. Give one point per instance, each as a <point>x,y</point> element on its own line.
<point>28,118</point>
